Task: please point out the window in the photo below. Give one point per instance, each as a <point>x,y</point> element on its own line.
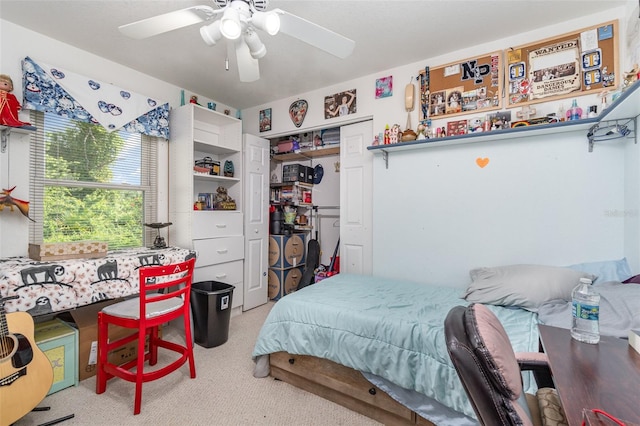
<point>89,184</point>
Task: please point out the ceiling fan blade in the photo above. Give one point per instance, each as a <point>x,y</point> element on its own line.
<point>248,68</point>
<point>315,35</point>
<point>168,22</point>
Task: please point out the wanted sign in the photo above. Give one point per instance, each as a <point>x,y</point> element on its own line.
<point>554,69</point>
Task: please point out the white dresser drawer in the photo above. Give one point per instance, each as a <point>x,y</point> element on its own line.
<point>219,250</point>
<point>228,273</point>
<point>214,224</point>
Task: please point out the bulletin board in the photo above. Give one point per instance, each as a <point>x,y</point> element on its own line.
<point>563,66</point>
<point>462,87</point>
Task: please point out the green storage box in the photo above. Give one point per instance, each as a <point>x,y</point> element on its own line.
<point>59,342</point>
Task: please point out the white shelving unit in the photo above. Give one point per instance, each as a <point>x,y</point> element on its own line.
<point>217,235</point>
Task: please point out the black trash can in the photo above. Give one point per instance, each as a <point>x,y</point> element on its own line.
<point>211,310</point>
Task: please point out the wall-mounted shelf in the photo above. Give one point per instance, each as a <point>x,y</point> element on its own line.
<point>307,155</point>
<point>625,109</point>
<point>5,131</point>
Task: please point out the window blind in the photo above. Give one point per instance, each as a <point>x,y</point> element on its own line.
<point>89,184</point>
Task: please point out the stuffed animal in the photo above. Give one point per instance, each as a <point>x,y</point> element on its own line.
<point>9,105</point>
<point>223,201</point>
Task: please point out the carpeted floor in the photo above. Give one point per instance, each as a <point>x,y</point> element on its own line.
<point>224,393</point>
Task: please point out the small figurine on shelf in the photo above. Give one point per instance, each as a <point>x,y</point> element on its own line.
<point>228,168</point>
<point>9,105</point>
<point>575,112</point>
<point>422,132</point>
<point>630,77</point>
<point>194,100</point>
<point>394,134</point>
<point>223,201</point>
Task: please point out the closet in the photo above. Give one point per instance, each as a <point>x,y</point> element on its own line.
<point>320,188</point>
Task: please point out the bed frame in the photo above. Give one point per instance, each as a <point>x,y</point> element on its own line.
<point>342,385</point>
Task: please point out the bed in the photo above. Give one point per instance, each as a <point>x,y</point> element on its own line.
<point>377,345</point>
<point>369,342</point>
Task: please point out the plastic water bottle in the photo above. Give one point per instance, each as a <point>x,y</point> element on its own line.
<point>586,311</point>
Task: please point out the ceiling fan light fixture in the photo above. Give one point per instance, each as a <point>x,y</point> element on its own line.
<point>256,47</point>
<point>269,22</point>
<point>230,25</point>
<point>211,33</point>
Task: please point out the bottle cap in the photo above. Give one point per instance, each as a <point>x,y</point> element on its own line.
<point>586,281</point>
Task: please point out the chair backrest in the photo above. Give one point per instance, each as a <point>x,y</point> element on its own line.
<point>160,285</point>
<point>486,364</point>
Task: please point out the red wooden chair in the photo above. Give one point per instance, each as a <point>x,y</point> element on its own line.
<point>164,296</point>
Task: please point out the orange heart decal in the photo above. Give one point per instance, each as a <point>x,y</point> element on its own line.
<point>482,162</point>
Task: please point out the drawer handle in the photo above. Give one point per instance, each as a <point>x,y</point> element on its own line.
<point>222,251</point>
<point>291,361</point>
<point>221,225</point>
<point>221,276</point>
<point>372,391</point>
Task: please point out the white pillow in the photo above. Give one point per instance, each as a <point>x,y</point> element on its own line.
<point>524,286</point>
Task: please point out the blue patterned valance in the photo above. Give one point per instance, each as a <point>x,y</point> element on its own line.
<point>59,91</point>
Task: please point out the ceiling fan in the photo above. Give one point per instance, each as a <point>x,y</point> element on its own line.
<point>238,24</point>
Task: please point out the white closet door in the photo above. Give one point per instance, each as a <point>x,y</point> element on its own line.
<point>356,193</point>
<point>256,220</point>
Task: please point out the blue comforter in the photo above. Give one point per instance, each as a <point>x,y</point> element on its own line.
<point>393,329</point>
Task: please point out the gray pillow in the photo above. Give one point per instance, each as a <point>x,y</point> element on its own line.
<point>524,286</point>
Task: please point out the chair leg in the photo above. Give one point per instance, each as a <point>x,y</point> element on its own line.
<point>153,346</point>
<point>139,371</point>
<point>101,377</point>
<point>189,343</point>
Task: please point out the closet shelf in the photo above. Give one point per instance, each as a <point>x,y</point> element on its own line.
<point>307,155</point>
<point>625,109</point>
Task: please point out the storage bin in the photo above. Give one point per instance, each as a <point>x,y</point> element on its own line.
<point>294,173</point>
<point>286,251</point>
<point>59,342</point>
<point>283,281</point>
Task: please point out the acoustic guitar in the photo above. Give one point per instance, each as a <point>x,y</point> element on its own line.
<point>26,374</point>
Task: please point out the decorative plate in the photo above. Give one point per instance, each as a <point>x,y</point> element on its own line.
<point>297,111</point>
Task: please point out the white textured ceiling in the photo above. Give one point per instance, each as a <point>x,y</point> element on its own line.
<point>387,34</point>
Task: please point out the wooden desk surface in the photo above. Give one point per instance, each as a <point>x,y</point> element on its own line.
<point>604,376</point>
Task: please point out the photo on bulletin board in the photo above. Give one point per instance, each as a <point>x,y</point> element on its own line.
<point>340,104</point>
<point>384,87</point>
<point>563,66</point>
<point>469,85</point>
<point>265,120</point>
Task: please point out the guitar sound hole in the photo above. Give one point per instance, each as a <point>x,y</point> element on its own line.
<point>7,346</point>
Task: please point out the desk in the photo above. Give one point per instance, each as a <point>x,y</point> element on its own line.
<point>46,287</point>
<point>604,376</point>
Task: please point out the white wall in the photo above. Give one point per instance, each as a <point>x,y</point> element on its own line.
<point>541,199</point>
<point>436,214</point>
<point>15,44</point>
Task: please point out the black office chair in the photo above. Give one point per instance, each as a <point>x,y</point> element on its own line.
<point>490,371</point>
